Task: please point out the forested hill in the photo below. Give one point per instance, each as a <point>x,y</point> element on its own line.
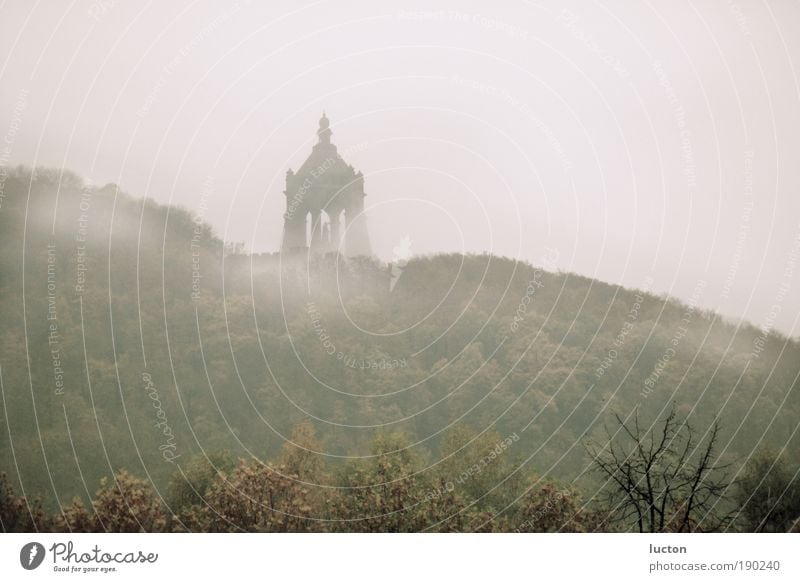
<point>123,346</point>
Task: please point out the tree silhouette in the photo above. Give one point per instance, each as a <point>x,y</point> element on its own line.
<point>662,479</point>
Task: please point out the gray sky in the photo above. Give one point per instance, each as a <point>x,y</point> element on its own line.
<point>639,139</point>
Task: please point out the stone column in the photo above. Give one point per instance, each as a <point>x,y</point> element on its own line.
<point>357,242</point>
<point>335,218</point>
<point>316,229</point>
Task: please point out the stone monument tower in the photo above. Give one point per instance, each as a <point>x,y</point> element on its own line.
<point>324,201</point>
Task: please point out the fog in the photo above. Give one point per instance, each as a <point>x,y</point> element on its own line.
<point>634,142</point>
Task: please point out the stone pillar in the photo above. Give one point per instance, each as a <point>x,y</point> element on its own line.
<point>294,231</point>
<point>294,219</point>
<point>316,229</point>
<point>336,216</point>
<point>357,237</point>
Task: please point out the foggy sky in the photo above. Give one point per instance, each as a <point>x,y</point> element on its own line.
<point>640,140</point>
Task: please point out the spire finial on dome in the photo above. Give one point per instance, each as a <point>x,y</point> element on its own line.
<point>324,131</point>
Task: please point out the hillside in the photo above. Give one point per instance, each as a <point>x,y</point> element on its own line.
<point>115,354</point>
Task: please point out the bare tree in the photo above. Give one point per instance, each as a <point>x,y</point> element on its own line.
<point>662,478</point>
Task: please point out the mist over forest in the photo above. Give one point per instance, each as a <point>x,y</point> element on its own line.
<point>156,378</point>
